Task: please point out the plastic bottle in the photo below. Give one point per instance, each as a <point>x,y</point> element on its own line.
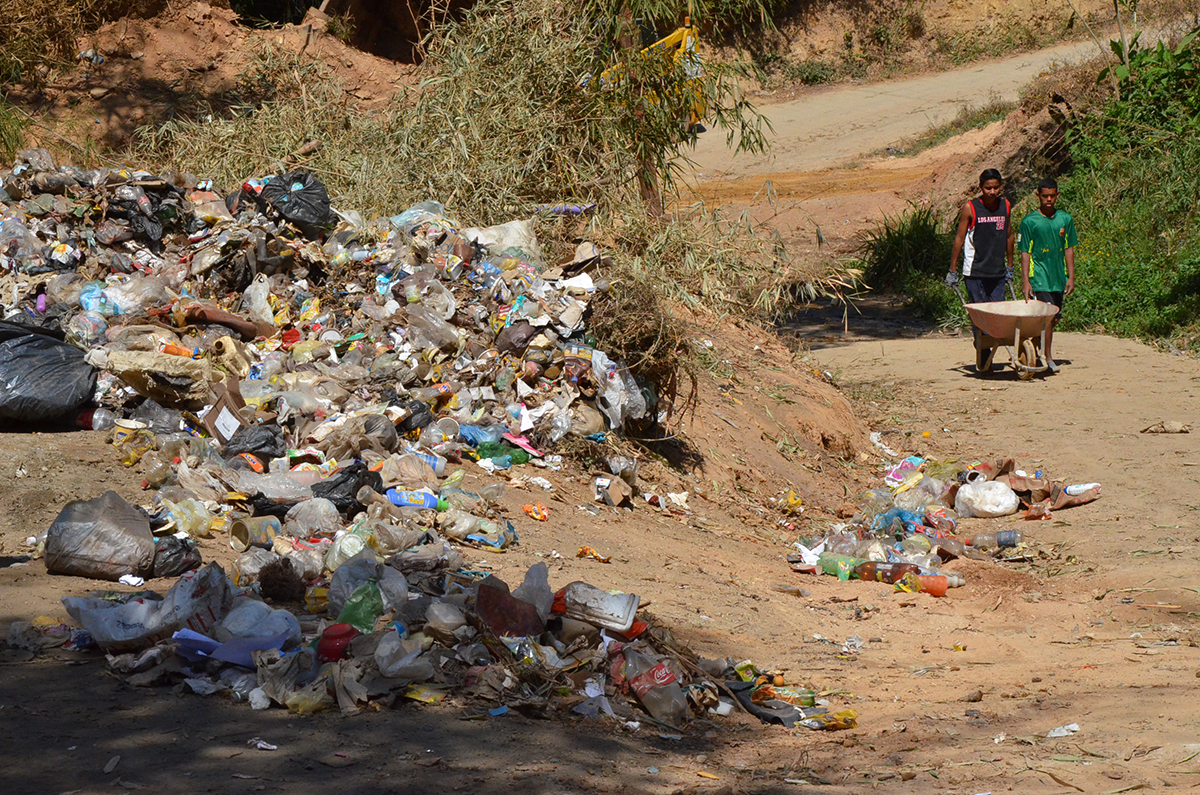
<point>435,392</point>
<point>997,540</point>
<point>953,578</point>
<point>416,499</point>
<point>96,420</point>
<point>1080,488</point>
<point>436,462</point>
<point>953,547</point>
<point>884,572</point>
<point>916,545</point>
<point>158,471</point>
<point>934,584</point>
<point>656,688</point>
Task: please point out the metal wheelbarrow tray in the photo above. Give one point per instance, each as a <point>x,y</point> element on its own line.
<point>1016,323</point>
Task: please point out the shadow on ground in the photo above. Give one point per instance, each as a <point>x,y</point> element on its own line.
<point>65,719</point>
<point>831,323</point>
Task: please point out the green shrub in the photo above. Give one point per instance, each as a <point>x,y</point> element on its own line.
<point>1133,198</point>
<point>909,253</point>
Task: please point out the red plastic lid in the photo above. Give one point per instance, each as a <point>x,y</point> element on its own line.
<point>342,630</point>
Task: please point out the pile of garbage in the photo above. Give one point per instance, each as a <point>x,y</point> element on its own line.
<point>264,355</point>
<point>305,385</point>
<point>902,534</point>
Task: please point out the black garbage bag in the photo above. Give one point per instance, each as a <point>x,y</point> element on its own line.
<point>301,198</point>
<point>174,556</point>
<point>341,487</point>
<point>264,441</point>
<point>265,507</point>
<point>380,430</point>
<point>419,417</point>
<point>104,538</point>
<point>41,377</point>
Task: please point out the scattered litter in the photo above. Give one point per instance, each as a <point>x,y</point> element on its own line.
<point>1063,731</point>
<point>588,552</point>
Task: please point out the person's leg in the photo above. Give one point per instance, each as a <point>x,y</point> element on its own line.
<point>995,289</point>
<point>976,290</point>
<point>1056,299</point>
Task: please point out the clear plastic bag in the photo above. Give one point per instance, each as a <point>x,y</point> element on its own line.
<point>429,330</point>
<point>313,517</point>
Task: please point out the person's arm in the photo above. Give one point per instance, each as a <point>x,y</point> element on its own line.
<point>1026,249</point>
<point>1011,244</point>
<point>964,220</point>
<point>1071,239</point>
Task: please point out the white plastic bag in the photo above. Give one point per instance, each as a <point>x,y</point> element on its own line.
<point>198,600</point>
<point>986,500</point>
<point>254,619</point>
<point>254,301</point>
<point>519,235</point>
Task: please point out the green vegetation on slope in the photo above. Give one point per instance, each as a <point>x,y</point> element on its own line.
<point>1133,195</point>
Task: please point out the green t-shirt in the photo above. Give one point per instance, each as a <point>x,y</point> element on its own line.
<point>1046,240</point>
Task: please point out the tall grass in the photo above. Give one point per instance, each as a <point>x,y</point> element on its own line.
<point>12,132</point>
<point>909,253</point>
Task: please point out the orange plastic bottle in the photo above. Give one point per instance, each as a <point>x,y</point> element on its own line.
<point>934,584</point>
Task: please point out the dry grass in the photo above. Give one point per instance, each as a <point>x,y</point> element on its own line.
<point>500,123</point>
<point>37,36</point>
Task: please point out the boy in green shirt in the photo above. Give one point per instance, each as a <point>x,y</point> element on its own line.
<point>1046,240</point>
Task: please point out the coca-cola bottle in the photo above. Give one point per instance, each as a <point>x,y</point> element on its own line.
<point>656,688</point>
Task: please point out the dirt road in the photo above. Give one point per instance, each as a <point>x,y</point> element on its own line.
<point>828,128</point>
<point>1103,635</point>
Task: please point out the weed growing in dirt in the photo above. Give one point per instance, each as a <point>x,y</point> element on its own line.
<point>12,132</point>
<point>342,27</point>
<point>970,117</point>
<point>776,70</point>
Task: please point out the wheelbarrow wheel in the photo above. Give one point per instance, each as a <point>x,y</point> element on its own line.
<point>1027,357</point>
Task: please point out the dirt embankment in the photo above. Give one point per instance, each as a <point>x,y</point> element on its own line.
<point>192,59</point>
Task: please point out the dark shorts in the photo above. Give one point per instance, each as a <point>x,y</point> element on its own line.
<point>1050,298</point>
<point>981,291</point>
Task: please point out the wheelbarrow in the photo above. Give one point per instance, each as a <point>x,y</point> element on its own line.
<point>999,324</point>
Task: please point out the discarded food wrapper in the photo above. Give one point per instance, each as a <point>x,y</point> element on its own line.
<point>588,552</point>
<point>536,511</point>
<point>679,499</point>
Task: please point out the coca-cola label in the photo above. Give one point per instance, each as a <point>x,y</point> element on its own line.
<point>658,676</point>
